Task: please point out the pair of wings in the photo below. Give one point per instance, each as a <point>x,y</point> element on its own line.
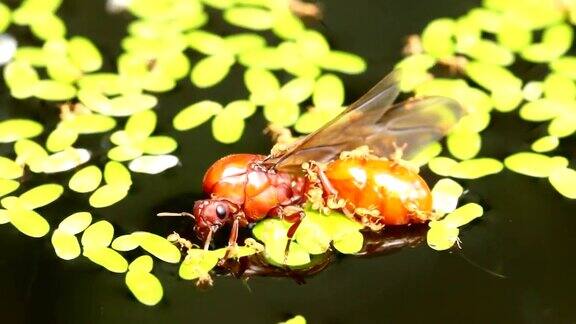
<point>375,121</point>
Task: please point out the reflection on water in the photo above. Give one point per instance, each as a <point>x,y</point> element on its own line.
<point>376,244</point>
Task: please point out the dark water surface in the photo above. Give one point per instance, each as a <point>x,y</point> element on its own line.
<point>525,241</point>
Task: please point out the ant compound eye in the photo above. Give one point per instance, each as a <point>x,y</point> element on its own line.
<point>221,211</point>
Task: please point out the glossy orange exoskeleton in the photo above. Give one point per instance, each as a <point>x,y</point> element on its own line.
<point>245,188</point>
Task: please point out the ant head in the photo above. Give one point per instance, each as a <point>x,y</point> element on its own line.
<point>211,214</point>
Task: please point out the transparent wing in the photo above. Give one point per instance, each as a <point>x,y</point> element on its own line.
<point>373,121</point>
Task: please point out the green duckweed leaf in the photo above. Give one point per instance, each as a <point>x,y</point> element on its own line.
<point>174,65</point>
<point>298,89</point>
<point>311,234</point>
<point>31,55</point>
<point>196,114</point>
<point>9,169</point>
<point>273,233</point>
<point>563,126</point>
<point>342,62</point>
<point>103,83</point>
<point>107,258</point>
<point>286,25</point>
<point>249,18</point>
<point>84,54</point>
<point>108,195</point>
<point>157,145</point>
<point>116,173</point>
<point>282,112</point>
<point>75,223</point>
<point>328,92</point>
<point>441,235</point>
<point>8,186</point>
<point>141,125</point>
<point>269,58</point>
<point>242,108</point>
<point>64,160</point>
<point>145,287</point>
<point>153,164</point>
<point>65,245</point>
<point>158,246</point>
<point>565,65</point>
<point>61,138</point>
<point>242,42</point>
<point>490,52</point>
<point>5,17</point>
<point>533,90</point>
<point>545,144</point>
<point>349,243</point>
<point>559,87</point>
<point>315,118</point>
<point>30,153</point>
<point>563,179</point>
<point>197,264</point>
<point>426,154</point>
<point>21,78</point>
<point>124,153</point>
<point>312,44</point>
<point>437,38</point>
<point>211,70</point>
<point>476,168</point>
<point>544,109</point>
<point>227,127</point>
<point>48,27</point>
<point>492,77</point>
<point>442,166</point>
<point>464,145</point>
<point>4,218</point>
<point>514,35</point>
<point>130,104</point>
<point>206,43</point>
<point>143,263</point>
<point>126,242</point>
<point>86,179</point>
<point>464,215</point>
<point>534,164</point>
<point>90,123</point>
<point>41,196</point>
<point>445,195</point>
<point>53,90</point>
<point>298,319</point>
<point>12,130</point>
<point>28,222</point>
<point>98,235</point>
<point>262,84</point>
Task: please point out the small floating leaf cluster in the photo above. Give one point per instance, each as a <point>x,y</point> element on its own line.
<point>299,56</point>
<point>314,236</point>
<point>481,50</point>
<point>66,72</point>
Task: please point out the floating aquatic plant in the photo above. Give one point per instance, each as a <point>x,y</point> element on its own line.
<point>481,46</point>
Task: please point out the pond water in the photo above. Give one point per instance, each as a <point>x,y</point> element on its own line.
<point>516,263</point>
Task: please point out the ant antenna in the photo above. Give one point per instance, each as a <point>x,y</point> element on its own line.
<point>476,265</point>
<point>175,215</point>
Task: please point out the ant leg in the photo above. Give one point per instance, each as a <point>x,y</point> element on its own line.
<point>232,240</point>
<point>326,185</point>
<point>208,239</point>
<point>296,220</point>
<point>294,200</point>
<point>234,233</point>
